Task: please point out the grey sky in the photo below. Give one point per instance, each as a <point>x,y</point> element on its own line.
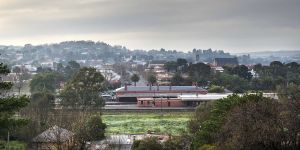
<point>232,25</point>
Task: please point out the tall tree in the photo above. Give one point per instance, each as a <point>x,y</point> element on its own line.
<point>71,68</point>
<point>242,71</point>
<point>252,125</point>
<point>151,79</point>
<point>177,79</point>
<point>83,89</point>
<point>45,81</point>
<point>213,121</point>
<point>171,66</point>
<point>200,73</point>
<point>135,78</point>
<point>251,121</point>
<point>9,105</point>
<point>181,62</point>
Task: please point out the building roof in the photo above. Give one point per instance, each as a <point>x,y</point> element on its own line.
<point>225,61</point>
<point>217,96</point>
<point>160,88</point>
<point>206,97</point>
<point>53,134</point>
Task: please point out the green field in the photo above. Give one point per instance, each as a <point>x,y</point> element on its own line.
<point>138,123</point>
<point>13,145</point>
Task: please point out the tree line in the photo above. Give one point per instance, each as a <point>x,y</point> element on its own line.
<point>238,79</point>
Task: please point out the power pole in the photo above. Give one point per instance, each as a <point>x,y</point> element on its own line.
<point>7,146</point>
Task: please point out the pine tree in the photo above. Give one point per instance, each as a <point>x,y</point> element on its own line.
<point>9,106</point>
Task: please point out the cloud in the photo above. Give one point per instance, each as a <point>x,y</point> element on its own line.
<point>175,24</point>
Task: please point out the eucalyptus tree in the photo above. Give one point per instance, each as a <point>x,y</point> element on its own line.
<point>83,89</point>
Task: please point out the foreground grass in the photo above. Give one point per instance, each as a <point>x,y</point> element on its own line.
<point>138,123</point>
<point>13,145</point>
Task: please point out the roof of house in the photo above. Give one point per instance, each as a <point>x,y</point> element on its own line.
<point>53,134</point>
<point>160,88</point>
<point>226,61</point>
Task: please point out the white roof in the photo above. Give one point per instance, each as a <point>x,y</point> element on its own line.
<point>209,96</point>
<point>216,96</point>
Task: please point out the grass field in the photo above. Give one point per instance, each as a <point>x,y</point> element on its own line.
<point>138,123</point>
<point>13,145</point>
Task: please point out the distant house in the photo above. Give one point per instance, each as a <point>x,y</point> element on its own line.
<point>53,139</point>
<point>217,69</point>
<point>219,62</point>
<point>254,73</point>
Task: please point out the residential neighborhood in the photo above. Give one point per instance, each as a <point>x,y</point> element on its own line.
<point>149,75</point>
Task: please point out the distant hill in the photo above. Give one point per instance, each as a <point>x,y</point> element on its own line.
<point>90,50</point>
<point>280,53</point>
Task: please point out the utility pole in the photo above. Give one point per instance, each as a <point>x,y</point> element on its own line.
<point>161,105</point>
<point>7,146</point>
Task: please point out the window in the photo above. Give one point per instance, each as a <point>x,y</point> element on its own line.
<point>142,102</point>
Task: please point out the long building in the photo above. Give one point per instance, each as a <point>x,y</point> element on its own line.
<point>189,100</point>
<point>132,93</point>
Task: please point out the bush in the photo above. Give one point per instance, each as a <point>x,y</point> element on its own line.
<point>96,128</point>
<point>151,143</point>
<point>216,89</point>
<point>207,147</point>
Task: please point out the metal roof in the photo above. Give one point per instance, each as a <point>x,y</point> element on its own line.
<point>216,96</point>
<point>201,97</point>
<point>160,88</point>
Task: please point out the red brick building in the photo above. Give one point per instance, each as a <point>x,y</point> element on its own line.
<point>133,93</point>
<point>160,102</point>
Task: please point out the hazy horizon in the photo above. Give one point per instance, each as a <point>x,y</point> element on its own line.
<point>233,26</point>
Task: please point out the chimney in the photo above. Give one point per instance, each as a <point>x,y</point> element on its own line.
<point>125,87</point>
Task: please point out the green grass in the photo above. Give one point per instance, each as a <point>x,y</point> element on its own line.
<point>139,123</point>
<point>13,145</point>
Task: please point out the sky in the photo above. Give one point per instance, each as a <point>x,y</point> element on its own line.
<point>230,25</point>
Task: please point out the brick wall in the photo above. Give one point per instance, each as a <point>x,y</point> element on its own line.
<point>160,103</point>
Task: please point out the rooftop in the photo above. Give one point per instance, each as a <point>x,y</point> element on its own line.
<point>54,134</point>
<point>160,88</point>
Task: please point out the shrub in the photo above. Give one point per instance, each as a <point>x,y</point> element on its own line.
<point>216,89</point>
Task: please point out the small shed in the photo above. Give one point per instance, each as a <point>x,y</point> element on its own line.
<point>54,138</point>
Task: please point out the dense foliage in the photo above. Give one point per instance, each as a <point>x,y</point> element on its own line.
<point>83,89</point>
<point>135,78</point>
<point>9,106</point>
<point>246,122</point>
<point>238,79</point>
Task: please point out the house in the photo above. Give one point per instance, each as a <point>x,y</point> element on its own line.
<point>53,139</point>
<point>217,69</point>
<point>219,62</point>
<point>254,73</point>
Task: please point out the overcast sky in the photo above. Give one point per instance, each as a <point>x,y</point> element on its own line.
<point>231,25</point>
